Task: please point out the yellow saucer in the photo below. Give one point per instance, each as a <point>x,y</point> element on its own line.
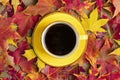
<point>37,39</point>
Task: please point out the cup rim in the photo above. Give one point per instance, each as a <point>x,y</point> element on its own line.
<point>43,39</point>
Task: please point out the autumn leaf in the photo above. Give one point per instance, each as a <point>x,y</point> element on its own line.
<point>6,32</point>
<point>26,66</point>
<point>40,64</point>
<point>17,54</point>
<point>116,4</point>
<point>24,22</point>
<point>15,3</point>
<point>107,64</point>
<point>93,23</point>
<point>73,6</point>
<point>51,72</point>
<point>116,34</point>
<point>116,52</point>
<point>29,40</point>
<point>111,76</point>
<point>91,52</point>
<point>29,54</point>
<point>11,42</point>
<point>106,47</point>
<point>118,42</point>
<point>100,4</point>
<point>4,2</point>
<point>29,2</point>
<point>43,7</point>
<point>35,76</point>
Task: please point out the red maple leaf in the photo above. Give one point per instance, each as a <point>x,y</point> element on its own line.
<point>24,22</point>
<point>26,66</point>
<point>6,32</point>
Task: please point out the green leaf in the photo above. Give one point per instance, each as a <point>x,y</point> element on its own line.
<point>29,54</point>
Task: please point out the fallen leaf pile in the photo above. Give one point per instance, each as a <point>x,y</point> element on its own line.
<point>100,60</point>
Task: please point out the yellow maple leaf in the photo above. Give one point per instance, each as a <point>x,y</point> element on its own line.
<point>116,52</point>
<point>93,23</point>
<point>4,2</point>
<point>29,54</point>
<point>29,40</point>
<point>40,64</point>
<point>15,3</point>
<point>13,26</point>
<point>118,41</point>
<point>10,41</point>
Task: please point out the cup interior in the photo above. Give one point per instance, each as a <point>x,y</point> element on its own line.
<point>59,39</point>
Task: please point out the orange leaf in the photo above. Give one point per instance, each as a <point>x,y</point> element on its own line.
<point>116,4</point>
<point>6,32</point>
<point>43,7</point>
<point>4,2</point>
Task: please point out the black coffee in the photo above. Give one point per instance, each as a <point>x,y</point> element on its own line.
<point>60,39</point>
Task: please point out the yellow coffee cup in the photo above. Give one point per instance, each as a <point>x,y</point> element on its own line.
<point>59,39</point>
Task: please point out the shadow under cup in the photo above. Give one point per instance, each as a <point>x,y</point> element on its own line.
<point>59,39</point>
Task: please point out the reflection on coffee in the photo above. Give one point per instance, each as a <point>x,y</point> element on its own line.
<point>60,39</point>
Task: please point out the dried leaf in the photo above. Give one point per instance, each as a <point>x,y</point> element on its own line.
<point>28,66</point>
<point>11,42</point>
<point>29,40</point>
<point>10,60</point>
<point>15,3</point>
<point>105,49</point>
<point>93,16</point>
<point>40,64</point>
<point>29,54</point>
<point>35,76</point>
<point>116,34</point>
<point>107,64</point>
<point>116,52</point>
<point>111,76</point>
<point>4,75</point>
<point>29,2</point>
<point>24,22</point>
<point>100,4</point>
<point>93,23</point>
<point>4,2</point>
<point>6,32</point>
<point>77,6</point>
<point>97,24</point>
<point>118,41</point>
<point>17,54</point>
<point>43,7</point>
<point>116,4</point>
<point>91,52</point>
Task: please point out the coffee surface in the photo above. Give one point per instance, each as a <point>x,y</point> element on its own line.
<point>60,39</point>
